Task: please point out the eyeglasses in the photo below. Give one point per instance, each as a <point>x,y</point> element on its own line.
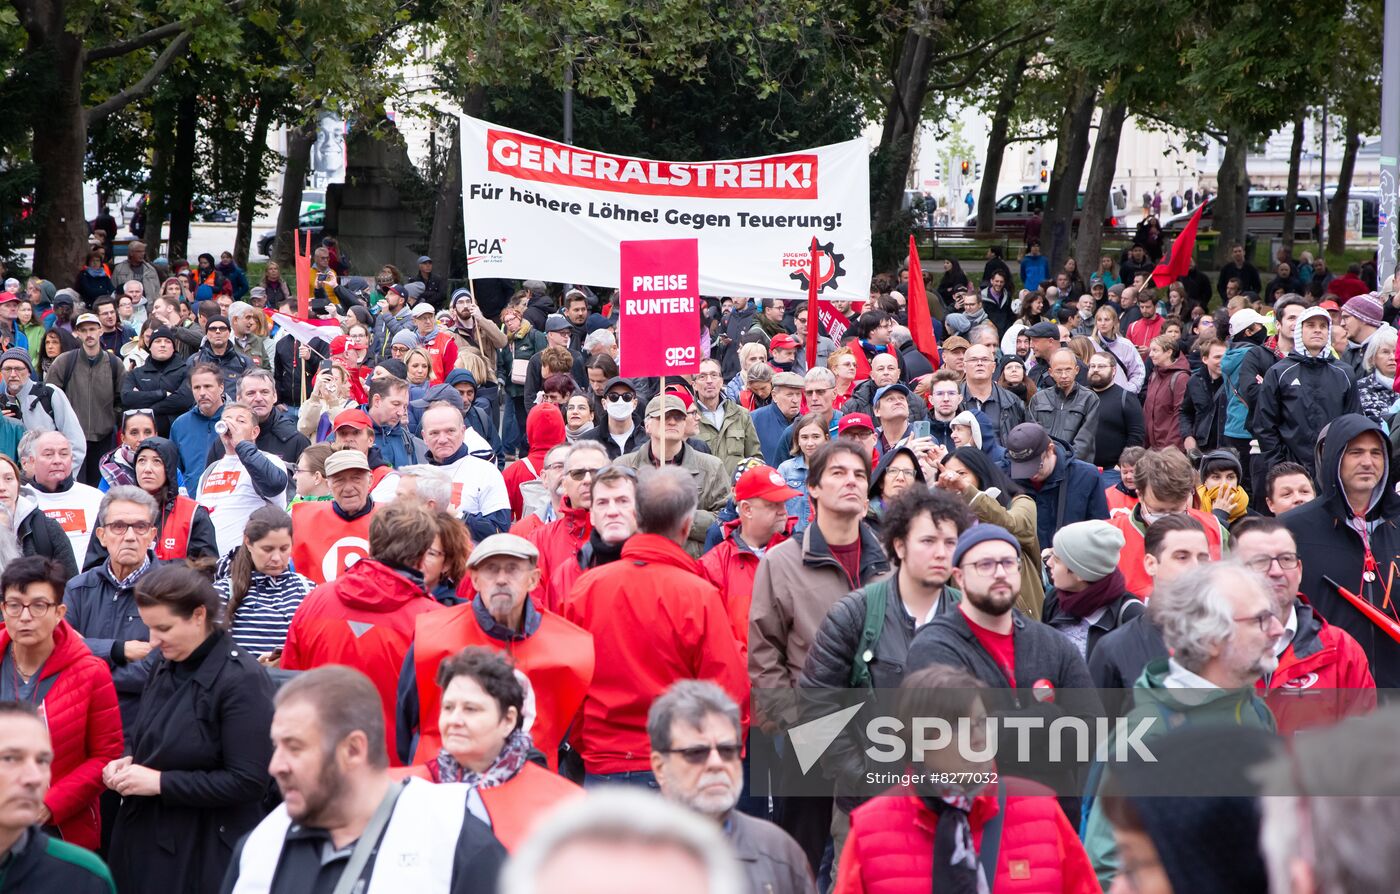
<point>989,567</point>
<point>120,528</point>
<point>1262,564</point>
<point>434,553</point>
<point>14,608</point>
<point>620,396</point>
<point>1263,619</point>
<point>580,474</point>
<point>698,754</point>
<point>901,474</point>
<point>209,329</point>
<point>708,375</point>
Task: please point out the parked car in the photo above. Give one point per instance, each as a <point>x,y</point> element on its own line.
<point>314,221</point>
<point>1014,209</point>
<point>1263,215</point>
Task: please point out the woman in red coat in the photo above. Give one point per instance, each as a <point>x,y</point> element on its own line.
<point>891,845</point>
<point>486,745</point>
<point>46,663</point>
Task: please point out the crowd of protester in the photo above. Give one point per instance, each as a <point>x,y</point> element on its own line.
<point>439,600</point>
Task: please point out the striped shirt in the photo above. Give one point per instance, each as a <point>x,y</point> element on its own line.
<point>266,612</point>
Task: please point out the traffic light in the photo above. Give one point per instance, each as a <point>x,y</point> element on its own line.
<point>1044,175</point>
<point>938,170</point>
<point>977,170</point>
<point>965,168</point>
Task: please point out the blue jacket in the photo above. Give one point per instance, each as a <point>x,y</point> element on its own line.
<point>1084,497</point>
<point>398,446</point>
<point>193,434</point>
<point>1243,361</point>
<point>105,614</point>
<point>1034,269</point>
<point>770,423</point>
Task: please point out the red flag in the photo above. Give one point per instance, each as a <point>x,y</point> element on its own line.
<point>920,320</point>
<point>813,286</point>
<point>303,272</point>
<point>1178,264</point>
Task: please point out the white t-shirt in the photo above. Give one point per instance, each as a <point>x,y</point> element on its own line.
<point>226,490</point>
<point>477,487</point>
<point>76,512</point>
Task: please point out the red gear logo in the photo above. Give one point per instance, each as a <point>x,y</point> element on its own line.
<point>827,272</point>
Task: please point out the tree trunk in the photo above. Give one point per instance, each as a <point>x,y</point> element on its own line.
<point>996,147</point>
<point>903,115</point>
<point>447,210</point>
<point>182,176</point>
<point>1232,181</point>
<point>158,191</point>
<point>1290,199</point>
<point>299,142</point>
<point>1071,152</point>
<point>1337,213</point>
<point>1096,191</point>
<point>59,148</point>
<point>252,179</point>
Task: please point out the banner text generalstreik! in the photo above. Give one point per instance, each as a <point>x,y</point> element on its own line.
<point>613,211</point>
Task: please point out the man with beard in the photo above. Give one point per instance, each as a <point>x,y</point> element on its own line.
<point>1121,421</point>
<point>555,656</point>
<point>394,317</point>
<point>158,384</point>
<point>332,770</point>
<point>696,743</point>
<point>612,513</point>
<point>478,339</point>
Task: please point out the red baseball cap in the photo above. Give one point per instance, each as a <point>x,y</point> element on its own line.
<point>1329,306</point>
<point>352,418</point>
<point>7,297</point>
<point>763,483</point>
<point>783,342</point>
<point>681,392</point>
<point>854,420</point>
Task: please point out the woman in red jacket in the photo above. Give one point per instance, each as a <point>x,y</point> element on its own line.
<point>893,844</point>
<point>47,664</point>
<point>1166,389</point>
<point>486,745</point>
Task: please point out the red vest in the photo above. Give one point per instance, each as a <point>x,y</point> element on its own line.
<point>323,543</point>
<point>174,540</point>
<point>557,659</point>
<point>1119,503</point>
<point>438,348</point>
<point>1135,576</point>
<point>515,806</point>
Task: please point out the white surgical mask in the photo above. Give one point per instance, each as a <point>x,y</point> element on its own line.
<point>621,409</point>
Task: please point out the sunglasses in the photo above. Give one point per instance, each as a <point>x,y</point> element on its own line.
<point>698,754</point>
<point>620,396</point>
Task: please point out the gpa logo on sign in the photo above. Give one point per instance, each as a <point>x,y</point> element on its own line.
<point>680,356</point>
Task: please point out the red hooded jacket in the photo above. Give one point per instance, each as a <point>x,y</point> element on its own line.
<point>1322,677</point>
<point>80,710</point>
<point>363,619</point>
<point>890,846</point>
<point>544,429</point>
<point>654,621</point>
<point>732,568</point>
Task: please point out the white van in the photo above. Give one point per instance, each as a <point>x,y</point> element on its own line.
<point>1263,215</point>
<point>1015,208</point>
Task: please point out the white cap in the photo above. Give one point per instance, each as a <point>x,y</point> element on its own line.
<point>424,308</point>
<point>1243,319</point>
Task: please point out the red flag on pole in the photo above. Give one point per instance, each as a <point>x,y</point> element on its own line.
<point>920,320</point>
<point>813,286</point>
<point>1178,264</point>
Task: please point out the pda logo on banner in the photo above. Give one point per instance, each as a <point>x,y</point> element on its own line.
<point>680,356</point>
<point>485,250</point>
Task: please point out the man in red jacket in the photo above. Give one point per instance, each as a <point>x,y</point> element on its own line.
<point>46,663</point>
<point>654,621</point>
<point>900,841</point>
<point>763,522</point>
<point>365,618</point>
<point>1323,674</point>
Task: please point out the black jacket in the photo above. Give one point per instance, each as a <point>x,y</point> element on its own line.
<point>862,400</point>
<point>279,436</point>
<point>232,364</point>
<point>1120,656</point>
<point>1120,611</point>
<point>1247,275</point>
<point>538,310</point>
<point>161,387</point>
<point>39,535</point>
<point>1202,413</point>
<point>1003,409</point>
<point>203,542</point>
<point>636,441</point>
<point>1121,425</point>
<point>1042,653</point>
<point>287,365</point>
<point>39,864</point>
<point>1329,546</point>
<point>1299,396</point>
<point>205,727</point>
<point>434,292</point>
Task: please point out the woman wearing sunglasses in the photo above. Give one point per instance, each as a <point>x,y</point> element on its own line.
<point>486,745</point>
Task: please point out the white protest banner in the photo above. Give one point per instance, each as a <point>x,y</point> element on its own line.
<point>537,209</point>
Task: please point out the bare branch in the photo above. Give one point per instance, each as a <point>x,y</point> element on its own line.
<point>972,51</point>
<point>143,86</point>
<point>148,38</point>
<point>991,54</point>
